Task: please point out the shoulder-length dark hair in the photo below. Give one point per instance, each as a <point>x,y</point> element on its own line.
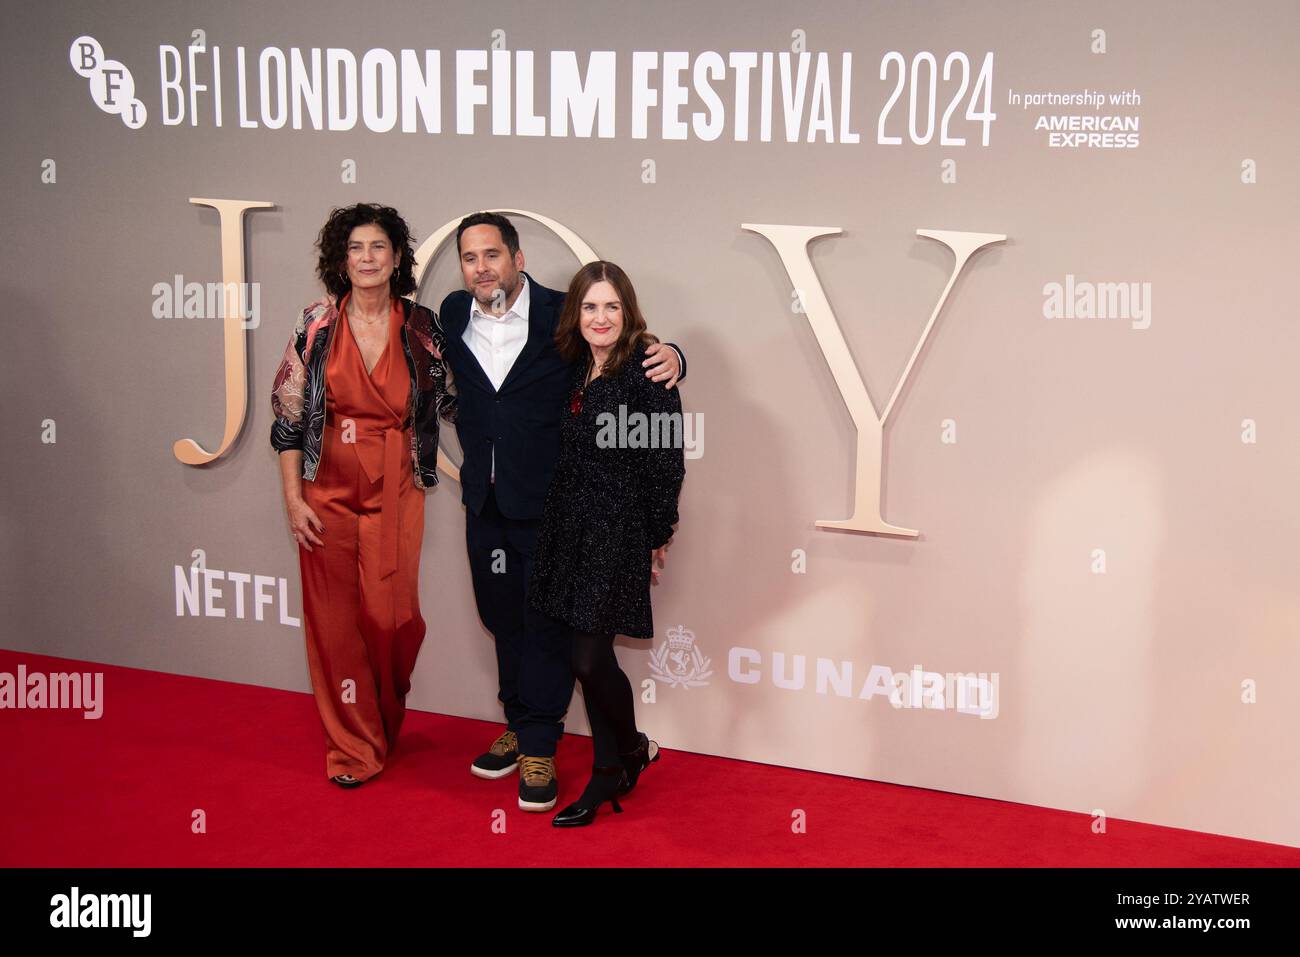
<point>332,242</point>
<point>568,330</point>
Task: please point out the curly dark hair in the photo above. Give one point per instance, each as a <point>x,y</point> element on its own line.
<point>332,242</point>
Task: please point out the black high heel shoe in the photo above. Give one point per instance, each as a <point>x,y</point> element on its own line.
<point>602,787</point>
<point>346,781</point>
<point>634,762</point>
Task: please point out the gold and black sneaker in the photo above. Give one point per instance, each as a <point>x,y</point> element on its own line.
<point>537,785</point>
<point>501,759</point>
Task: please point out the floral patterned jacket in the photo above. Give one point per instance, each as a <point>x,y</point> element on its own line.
<point>298,394</point>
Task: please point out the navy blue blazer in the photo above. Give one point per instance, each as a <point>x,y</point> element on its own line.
<point>521,420</point>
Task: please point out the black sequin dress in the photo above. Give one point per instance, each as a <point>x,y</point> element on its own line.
<point>608,507</point>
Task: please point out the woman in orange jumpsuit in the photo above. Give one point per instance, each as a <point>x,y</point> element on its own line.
<point>357,400</point>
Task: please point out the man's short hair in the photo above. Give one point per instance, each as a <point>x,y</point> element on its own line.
<point>509,235</point>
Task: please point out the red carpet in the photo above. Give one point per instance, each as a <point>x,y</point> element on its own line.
<point>121,790</point>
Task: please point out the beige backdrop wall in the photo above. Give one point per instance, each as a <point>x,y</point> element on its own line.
<point>1106,507</point>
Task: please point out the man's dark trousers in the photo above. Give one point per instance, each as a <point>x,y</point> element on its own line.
<point>534,651</point>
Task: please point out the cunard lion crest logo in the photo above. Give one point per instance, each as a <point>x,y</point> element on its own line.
<point>678,662</point>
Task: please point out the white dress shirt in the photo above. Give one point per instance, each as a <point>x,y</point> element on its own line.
<point>497,341</point>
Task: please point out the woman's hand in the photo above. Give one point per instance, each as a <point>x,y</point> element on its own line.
<point>302,522</point>
<point>659,555</point>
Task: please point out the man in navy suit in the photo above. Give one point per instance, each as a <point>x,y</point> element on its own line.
<point>512,385</point>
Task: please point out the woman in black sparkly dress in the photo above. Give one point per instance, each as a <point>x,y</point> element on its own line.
<point>609,514</point>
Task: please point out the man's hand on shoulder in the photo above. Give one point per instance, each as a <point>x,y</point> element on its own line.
<point>662,363</point>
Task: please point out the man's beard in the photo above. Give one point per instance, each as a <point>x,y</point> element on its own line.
<point>491,295</point>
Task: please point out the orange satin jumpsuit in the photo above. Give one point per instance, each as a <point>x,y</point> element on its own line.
<point>360,598</point>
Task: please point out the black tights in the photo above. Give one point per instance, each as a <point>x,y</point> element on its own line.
<point>608,696</point>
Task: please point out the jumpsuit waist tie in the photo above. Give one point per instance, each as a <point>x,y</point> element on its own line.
<point>394,439</point>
